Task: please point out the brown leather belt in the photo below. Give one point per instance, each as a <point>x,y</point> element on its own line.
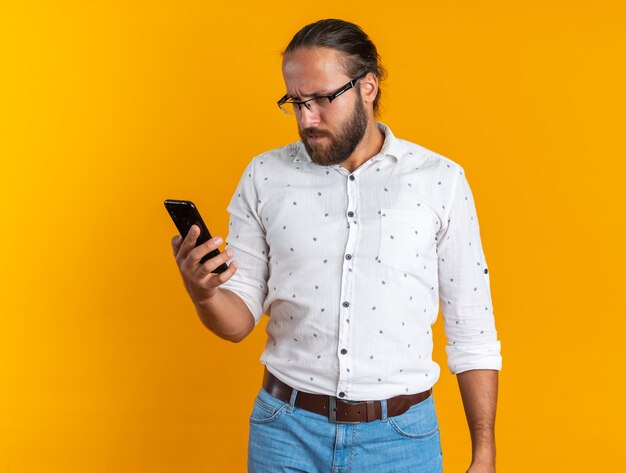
<point>338,410</point>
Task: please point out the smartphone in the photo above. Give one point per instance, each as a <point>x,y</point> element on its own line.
<point>185,214</point>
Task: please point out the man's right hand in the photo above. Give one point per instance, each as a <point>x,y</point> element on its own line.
<point>200,283</point>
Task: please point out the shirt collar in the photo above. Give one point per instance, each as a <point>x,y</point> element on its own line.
<point>392,146</point>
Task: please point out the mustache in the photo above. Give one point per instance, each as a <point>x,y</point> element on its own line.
<point>313,133</point>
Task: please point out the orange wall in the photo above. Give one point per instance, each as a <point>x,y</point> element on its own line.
<point>108,108</point>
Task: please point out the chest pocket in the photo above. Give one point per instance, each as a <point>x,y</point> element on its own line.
<point>407,238</point>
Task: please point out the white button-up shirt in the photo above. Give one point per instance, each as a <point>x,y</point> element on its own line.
<point>350,268</point>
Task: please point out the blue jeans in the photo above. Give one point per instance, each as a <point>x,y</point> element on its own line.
<point>285,438</point>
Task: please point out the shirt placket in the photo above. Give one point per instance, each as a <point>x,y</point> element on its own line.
<point>345,350</point>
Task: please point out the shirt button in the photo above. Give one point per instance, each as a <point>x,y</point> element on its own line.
<point>348,257</point>
<point>351,214</point>
<point>344,351</point>
<point>342,394</point>
<point>352,178</point>
<point>486,271</point>
<point>346,304</point>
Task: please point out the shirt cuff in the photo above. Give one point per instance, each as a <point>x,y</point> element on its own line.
<point>255,307</point>
<point>474,357</point>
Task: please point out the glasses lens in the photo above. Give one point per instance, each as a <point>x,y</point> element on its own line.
<point>316,105</point>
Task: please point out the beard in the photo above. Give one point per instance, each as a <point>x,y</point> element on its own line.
<point>338,147</point>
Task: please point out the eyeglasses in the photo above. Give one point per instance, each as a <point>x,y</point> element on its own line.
<point>319,103</point>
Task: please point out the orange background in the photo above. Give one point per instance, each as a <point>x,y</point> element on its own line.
<point>108,108</point>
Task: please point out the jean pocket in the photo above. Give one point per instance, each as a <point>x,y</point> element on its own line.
<point>407,238</point>
<point>419,422</point>
<point>267,408</point>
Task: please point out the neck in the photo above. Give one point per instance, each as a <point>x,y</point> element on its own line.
<point>370,146</point>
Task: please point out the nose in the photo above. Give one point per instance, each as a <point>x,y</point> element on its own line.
<point>308,118</point>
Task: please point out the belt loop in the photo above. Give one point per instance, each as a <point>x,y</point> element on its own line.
<point>292,400</point>
<point>383,410</point>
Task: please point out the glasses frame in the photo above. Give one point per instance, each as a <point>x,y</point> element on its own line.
<point>286,99</point>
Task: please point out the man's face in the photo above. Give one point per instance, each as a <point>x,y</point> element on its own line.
<point>331,133</point>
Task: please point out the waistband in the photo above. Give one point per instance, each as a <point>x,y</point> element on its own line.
<point>338,410</point>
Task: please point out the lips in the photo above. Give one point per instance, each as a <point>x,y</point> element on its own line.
<point>314,134</point>
<point>315,137</point>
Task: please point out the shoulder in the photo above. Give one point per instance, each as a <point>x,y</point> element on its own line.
<point>438,175</point>
<point>271,162</point>
<point>427,159</point>
<point>417,157</point>
<point>277,157</point>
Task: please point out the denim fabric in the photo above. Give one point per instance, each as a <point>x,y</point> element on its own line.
<point>284,438</point>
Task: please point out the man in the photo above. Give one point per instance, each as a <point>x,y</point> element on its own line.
<point>348,240</point>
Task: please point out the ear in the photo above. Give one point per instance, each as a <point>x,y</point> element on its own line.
<point>369,88</point>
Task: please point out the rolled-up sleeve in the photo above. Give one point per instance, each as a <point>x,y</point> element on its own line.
<point>246,237</point>
<point>464,289</point>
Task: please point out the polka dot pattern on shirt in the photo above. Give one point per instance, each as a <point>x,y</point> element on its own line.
<point>362,256</point>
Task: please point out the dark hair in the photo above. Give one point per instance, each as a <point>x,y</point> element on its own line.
<point>359,52</point>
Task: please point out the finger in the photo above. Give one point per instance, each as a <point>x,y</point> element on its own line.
<point>211,264</point>
<point>226,275</point>
<point>189,242</point>
<point>196,254</point>
<point>176,242</point>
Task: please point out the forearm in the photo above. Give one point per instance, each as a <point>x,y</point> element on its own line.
<point>226,315</point>
<point>479,391</point>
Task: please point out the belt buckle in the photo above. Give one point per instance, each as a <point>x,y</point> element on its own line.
<point>332,413</point>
